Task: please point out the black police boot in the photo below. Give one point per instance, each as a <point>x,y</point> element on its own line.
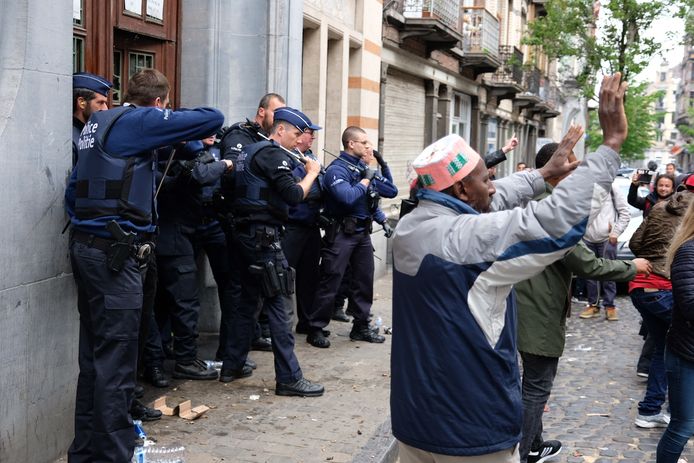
<point>139,391</point>
<point>340,315</point>
<point>317,339</point>
<point>300,388</point>
<point>156,377</point>
<point>362,332</point>
<point>228,375</point>
<point>262,344</point>
<point>251,364</point>
<point>197,369</point>
<point>141,412</point>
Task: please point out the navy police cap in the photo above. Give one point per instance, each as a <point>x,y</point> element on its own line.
<point>91,82</point>
<point>296,118</point>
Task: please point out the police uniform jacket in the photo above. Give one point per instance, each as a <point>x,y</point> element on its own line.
<point>272,166</point>
<point>132,139</point>
<point>345,196</point>
<point>307,211</point>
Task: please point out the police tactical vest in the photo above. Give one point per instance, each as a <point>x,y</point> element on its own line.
<point>108,184</point>
<point>254,196</point>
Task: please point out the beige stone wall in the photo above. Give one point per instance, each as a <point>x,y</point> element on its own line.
<point>341,68</point>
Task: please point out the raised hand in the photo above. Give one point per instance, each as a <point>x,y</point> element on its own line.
<point>613,120</point>
<point>562,162</point>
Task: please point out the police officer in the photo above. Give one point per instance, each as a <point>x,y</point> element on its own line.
<point>352,190</point>
<point>233,140</point>
<point>302,238</point>
<point>181,212</point>
<point>112,207</point>
<point>89,94</point>
<point>265,188</point>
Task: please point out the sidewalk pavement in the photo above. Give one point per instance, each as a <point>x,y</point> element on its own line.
<point>592,408</point>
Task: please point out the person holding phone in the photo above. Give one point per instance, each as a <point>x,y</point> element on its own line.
<point>664,188</point>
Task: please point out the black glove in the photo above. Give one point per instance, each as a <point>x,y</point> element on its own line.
<point>368,173</point>
<point>387,230</point>
<point>379,158</point>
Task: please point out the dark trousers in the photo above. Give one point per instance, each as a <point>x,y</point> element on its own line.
<point>343,290</point>
<point>110,305</point>
<point>357,251</point>
<point>594,287</point>
<point>538,378</point>
<point>150,344</point>
<point>212,241</point>
<point>680,374</point>
<point>301,245</point>
<point>656,310</point>
<point>240,326</point>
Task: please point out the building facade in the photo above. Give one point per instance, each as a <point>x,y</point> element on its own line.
<point>683,106</point>
<point>665,81</point>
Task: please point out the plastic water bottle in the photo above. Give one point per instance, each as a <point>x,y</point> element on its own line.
<point>378,323</point>
<point>165,454</point>
<point>139,454</point>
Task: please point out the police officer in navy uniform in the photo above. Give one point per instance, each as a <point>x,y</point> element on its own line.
<point>181,212</point>
<point>352,189</point>
<point>302,238</point>
<point>112,207</point>
<point>265,188</point>
<point>89,95</point>
<point>233,140</point>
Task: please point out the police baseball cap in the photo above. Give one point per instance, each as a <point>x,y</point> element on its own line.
<point>91,82</point>
<point>296,118</point>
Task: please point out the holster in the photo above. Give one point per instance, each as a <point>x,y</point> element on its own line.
<point>331,231</point>
<point>349,225</point>
<point>121,249</point>
<point>265,237</point>
<point>274,280</point>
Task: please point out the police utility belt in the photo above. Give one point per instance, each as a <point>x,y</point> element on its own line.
<point>120,248</point>
<point>346,225</point>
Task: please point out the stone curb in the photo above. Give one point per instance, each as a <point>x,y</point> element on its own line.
<point>381,447</point>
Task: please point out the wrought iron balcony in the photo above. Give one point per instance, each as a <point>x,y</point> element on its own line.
<point>480,30</point>
<point>435,22</point>
<point>507,81</point>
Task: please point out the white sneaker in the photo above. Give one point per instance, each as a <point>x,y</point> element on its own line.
<point>661,420</point>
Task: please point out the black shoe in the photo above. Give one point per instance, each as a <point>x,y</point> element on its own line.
<point>156,377</point>
<point>139,391</point>
<point>349,312</point>
<point>340,315</point>
<point>228,375</point>
<point>364,333</point>
<point>197,369</point>
<point>306,330</point>
<point>140,412</point>
<point>318,339</point>
<point>262,344</point>
<point>251,364</point>
<point>547,451</point>
<point>300,388</point>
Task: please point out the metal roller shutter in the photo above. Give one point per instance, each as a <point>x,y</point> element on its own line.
<point>403,134</point>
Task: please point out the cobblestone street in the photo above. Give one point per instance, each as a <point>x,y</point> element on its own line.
<point>592,408</point>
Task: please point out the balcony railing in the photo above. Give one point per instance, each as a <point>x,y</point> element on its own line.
<point>511,70</point>
<point>446,11</point>
<point>480,30</point>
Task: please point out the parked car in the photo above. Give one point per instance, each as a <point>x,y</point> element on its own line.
<point>622,185</point>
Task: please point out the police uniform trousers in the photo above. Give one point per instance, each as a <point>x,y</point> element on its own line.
<point>240,326</point>
<point>211,240</point>
<point>151,353</point>
<point>357,251</point>
<point>301,245</point>
<point>110,306</point>
<point>177,292</point>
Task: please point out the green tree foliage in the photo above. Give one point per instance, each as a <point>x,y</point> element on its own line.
<point>642,120</point>
<point>621,45</point>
